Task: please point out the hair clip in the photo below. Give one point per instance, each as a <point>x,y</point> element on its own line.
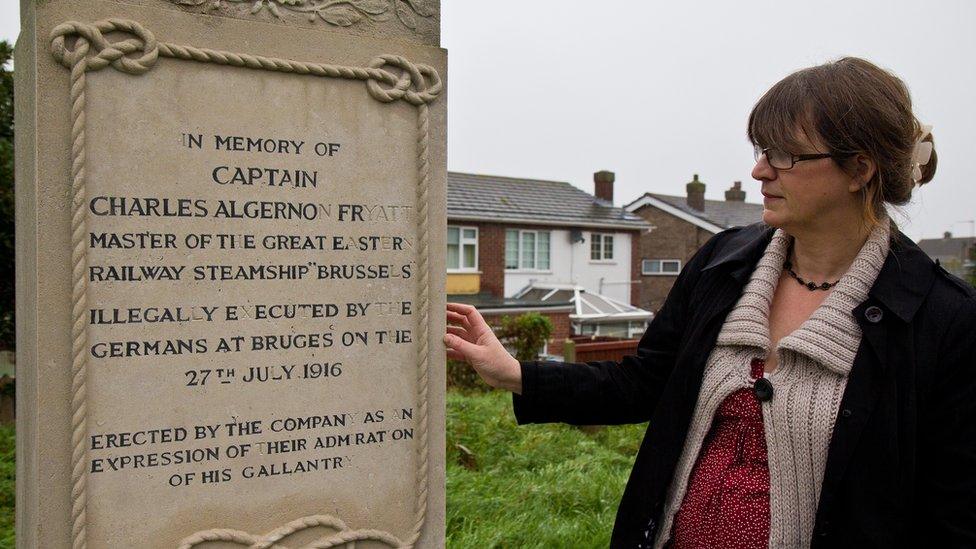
<point>921,154</point>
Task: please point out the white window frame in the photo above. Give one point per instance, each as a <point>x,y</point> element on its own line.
<point>636,328</point>
<point>662,272</point>
<point>462,241</point>
<point>583,327</point>
<point>535,257</point>
<point>602,239</point>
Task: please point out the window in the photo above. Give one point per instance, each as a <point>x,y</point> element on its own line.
<point>636,330</point>
<point>462,248</point>
<point>601,246</point>
<point>660,266</point>
<point>628,330</point>
<point>528,250</point>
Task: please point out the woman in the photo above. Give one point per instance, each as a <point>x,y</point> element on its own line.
<point>810,379</point>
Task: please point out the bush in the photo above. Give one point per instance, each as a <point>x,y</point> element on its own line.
<point>528,333</point>
<point>462,377</point>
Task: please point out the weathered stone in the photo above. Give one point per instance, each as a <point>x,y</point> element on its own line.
<point>224,328</point>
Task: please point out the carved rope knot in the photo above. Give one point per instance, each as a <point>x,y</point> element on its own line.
<point>343,535</point>
<point>417,84</point>
<point>92,44</point>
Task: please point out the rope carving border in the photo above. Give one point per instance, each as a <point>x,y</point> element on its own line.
<point>416,84</point>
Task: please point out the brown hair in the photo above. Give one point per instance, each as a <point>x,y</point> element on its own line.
<point>851,106</point>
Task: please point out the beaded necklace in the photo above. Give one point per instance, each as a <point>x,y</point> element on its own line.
<point>812,286</point>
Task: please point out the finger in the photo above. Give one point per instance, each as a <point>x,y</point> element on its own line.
<point>460,332</point>
<point>458,344</point>
<point>462,308</point>
<point>469,317</point>
<point>457,318</point>
<point>476,321</point>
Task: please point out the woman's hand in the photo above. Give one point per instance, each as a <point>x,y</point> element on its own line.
<point>469,338</point>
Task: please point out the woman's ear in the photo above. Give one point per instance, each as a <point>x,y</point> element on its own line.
<point>864,169</point>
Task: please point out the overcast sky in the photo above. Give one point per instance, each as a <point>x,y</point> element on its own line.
<point>658,91</point>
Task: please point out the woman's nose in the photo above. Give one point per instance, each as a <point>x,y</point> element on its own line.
<point>762,171</point>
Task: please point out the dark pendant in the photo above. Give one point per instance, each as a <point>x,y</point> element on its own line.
<point>763,389</point>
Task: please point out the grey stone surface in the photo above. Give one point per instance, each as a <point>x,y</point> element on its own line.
<point>254,252</point>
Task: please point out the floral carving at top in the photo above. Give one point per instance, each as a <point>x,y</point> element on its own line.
<point>341,13</point>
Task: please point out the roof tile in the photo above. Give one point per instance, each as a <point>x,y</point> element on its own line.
<point>724,213</point>
<point>490,197</point>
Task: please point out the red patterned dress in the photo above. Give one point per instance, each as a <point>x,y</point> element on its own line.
<point>726,503</point>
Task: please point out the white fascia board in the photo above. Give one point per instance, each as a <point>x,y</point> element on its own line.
<point>632,226</point>
<point>501,310</point>
<point>552,286</point>
<point>681,214</point>
<point>613,316</point>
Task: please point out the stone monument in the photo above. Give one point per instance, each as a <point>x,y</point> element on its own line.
<point>230,235</point>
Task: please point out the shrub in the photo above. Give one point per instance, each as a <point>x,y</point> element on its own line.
<point>461,376</point>
<point>527,333</point>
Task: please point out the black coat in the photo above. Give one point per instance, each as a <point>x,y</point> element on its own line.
<point>901,465</point>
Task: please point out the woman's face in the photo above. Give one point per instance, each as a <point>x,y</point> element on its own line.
<point>813,194</point>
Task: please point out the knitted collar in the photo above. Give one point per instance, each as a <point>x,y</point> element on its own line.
<point>831,335</point>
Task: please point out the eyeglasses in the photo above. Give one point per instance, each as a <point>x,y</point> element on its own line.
<point>782,160</point>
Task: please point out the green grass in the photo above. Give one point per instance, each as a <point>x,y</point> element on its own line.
<point>531,486</point>
<point>545,486</point>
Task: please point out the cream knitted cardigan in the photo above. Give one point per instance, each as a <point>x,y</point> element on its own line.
<point>809,380</point>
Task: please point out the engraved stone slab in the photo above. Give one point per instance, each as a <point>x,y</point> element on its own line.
<point>229,246</point>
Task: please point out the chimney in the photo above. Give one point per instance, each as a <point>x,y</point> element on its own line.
<point>735,194</point>
<point>696,194</point>
<point>947,234</point>
<point>603,185</point>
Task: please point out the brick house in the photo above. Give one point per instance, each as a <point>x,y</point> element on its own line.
<point>518,245</point>
<point>679,226</point>
<point>956,254</point>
